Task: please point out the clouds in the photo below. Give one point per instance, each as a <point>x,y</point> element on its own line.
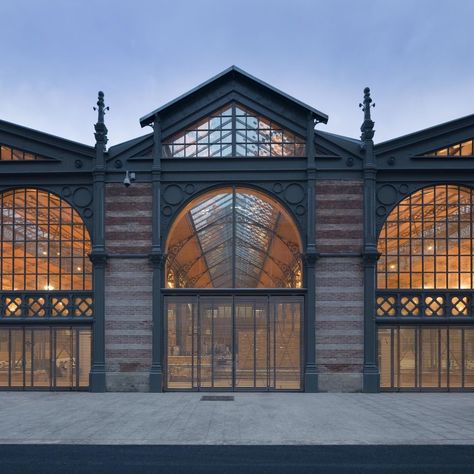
<point>56,55</point>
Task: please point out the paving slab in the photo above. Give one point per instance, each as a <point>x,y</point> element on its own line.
<point>252,418</point>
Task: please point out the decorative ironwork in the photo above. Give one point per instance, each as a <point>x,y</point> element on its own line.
<point>424,304</point>
<point>46,305</point>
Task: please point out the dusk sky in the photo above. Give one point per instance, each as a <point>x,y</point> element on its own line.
<point>417,57</point>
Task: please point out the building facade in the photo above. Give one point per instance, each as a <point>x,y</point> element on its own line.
<point>237,247</point>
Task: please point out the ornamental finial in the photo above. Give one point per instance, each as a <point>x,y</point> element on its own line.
<point>100,128</point>
<point>367,127</point>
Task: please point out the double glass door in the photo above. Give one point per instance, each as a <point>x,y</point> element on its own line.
<point>233,342</point>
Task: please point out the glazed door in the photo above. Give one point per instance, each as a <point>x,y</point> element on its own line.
<point>234,343</point>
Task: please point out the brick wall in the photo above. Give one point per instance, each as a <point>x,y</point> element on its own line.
<point>339,285</point>
<point>128,293</point>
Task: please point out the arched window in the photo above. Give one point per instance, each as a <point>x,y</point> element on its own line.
<point>45,244</point>
<point>45,276</point>
<point>427,241</point>
<point>234,238</point>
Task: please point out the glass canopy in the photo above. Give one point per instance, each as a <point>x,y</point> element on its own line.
<point>234,238</point>
<point>427,241</point>
<point>234,131</point>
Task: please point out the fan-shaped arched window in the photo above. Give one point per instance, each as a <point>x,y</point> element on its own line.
<point>427,241</point>
<point>45,243</point>
<point>234,238</point>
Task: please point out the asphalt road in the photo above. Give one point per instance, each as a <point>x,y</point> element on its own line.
<point>95,459</point>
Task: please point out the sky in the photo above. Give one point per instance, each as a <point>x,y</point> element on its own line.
<point>416,56</point>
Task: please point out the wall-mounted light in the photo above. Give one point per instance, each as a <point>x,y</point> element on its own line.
<point>129,178</point>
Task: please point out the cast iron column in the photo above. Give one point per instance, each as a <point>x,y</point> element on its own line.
<point>370,254</point>
<point>98,255</point>
<point>310,375</point>
<point>156,259</point>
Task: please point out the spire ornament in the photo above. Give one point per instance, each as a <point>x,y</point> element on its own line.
<point>367,127</point>
<point>100,128</point>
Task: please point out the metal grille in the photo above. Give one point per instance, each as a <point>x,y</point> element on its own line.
<point>424,304</point>
<point>45,305</point>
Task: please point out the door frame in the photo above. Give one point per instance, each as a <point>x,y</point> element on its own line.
<point>233,294</point>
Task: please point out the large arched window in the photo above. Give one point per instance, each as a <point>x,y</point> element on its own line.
<point>425,275</point>
<point>45,277</point>
<point>234,238</point>
<point>427,241</point>
<point>45,244</point>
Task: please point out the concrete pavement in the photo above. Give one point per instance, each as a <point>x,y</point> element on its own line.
<point>252,418</point>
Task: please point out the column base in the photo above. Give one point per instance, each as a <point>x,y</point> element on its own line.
<point>97,379</point>
<point>156,379</point>
<point>310,380</point>
<point>371,380</point>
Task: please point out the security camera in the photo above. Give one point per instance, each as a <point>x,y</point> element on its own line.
<point>129,178</point>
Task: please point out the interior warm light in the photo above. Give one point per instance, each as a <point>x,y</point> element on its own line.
<point>392,267</point>
<point>45,253</point>
<point>78,269</point>
<point>49,287</point>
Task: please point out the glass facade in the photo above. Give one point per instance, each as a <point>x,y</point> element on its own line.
<point>233,239</point>
<point>234,131</point>
<point>425,272</point>
<point>45,275</point>
<point>234,342</point>
<point>45,357</point>
<point>426,357</point>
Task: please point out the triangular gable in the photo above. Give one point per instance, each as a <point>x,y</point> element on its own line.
<point>233,131</point>
<point>235,77</point>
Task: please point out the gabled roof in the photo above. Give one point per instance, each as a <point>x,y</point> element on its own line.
<point>352,145</point>
<point>32,135</point>
<point>123,146</point>
<point>231,73</point>
<point>427,134</point>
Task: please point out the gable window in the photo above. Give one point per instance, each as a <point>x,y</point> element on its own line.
<point>458,149</point>
<point>234,130</point>
<point>8,153</point>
